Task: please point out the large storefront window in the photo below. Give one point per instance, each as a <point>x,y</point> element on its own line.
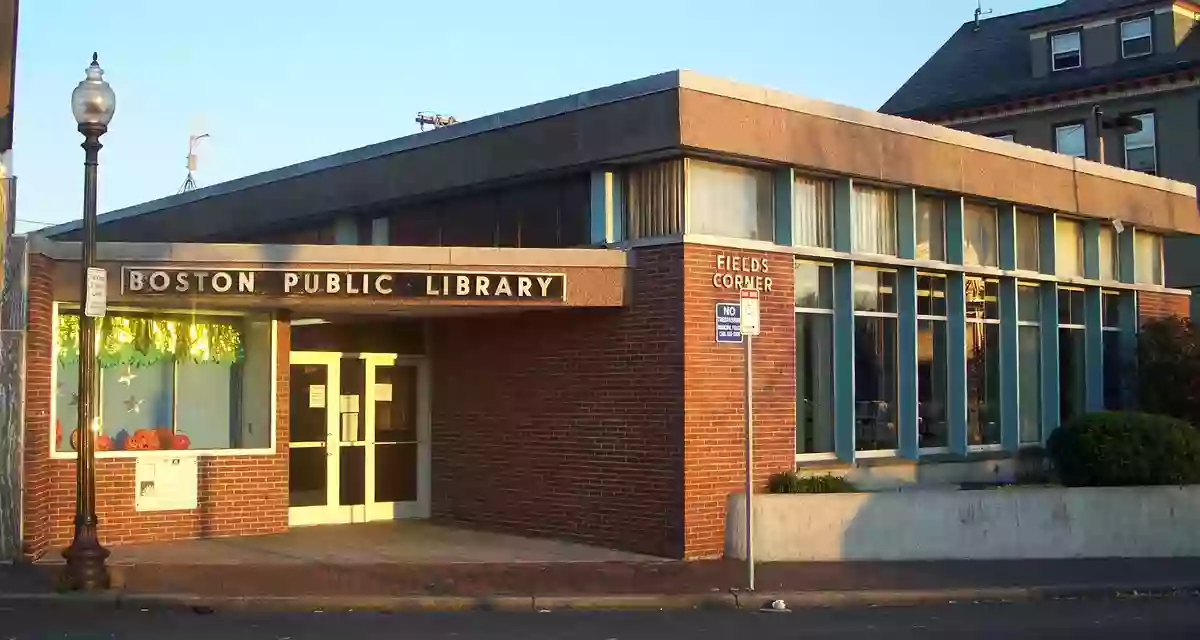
<point>1068,247</point>
<point>170,381</point>
<point>812,212</point>
<point>730,201</point>
<point>983,360</point>
<point>932,350</point>
<point>1114,356</point>
<point>1029,362</point>
<point>654,199</point>
<point>875,384</point>
<point>1110,258</point>
<point>874,220</point>
<point>1147,257</point>
<point>1029,252</point>
<point>814,358</point>
<point>931,228</point>
<point>980,235</point>
<point>1072,361</point>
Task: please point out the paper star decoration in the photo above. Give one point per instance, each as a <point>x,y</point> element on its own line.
<point>133,405</point>
<point>128,376</point>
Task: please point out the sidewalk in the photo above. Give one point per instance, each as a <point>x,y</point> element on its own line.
<point>652,584</point>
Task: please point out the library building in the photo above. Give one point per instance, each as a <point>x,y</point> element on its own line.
<point>515,323</point>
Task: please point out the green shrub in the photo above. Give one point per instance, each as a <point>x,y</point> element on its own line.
<point>792,482</point>
<point>1122,449</point>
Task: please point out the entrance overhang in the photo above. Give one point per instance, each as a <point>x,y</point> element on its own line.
<point>340,280</point>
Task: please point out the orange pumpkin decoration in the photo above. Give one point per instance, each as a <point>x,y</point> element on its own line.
<point>165,436</point>
<point>181,441</point>
<point>104,443</point>
<point>143,440</point>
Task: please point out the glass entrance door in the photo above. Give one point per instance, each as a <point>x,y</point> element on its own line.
<point>360,438</point>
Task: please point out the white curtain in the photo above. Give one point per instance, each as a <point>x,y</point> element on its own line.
<point>654,200</point>
<point>979,235</point>
<point>1068,247</point>
<point>812,212</point>
<point>874,220</point>
<point>735,202</point>
<point>1108,253</point>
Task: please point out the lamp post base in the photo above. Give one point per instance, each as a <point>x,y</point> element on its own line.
<point>86,569</point>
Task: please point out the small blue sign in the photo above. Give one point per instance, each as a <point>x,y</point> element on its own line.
<point>729,322</point>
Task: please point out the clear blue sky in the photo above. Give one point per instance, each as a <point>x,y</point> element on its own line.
<point>277,82</point>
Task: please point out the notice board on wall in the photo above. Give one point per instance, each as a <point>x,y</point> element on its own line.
<point>166,484</point>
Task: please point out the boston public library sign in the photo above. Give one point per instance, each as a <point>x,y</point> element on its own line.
<point>164,281</point>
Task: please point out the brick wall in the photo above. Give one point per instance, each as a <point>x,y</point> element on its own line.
<point>567,423</point>
<point>714,422</point>
<point>238,495</point>
<point>1152,306</point>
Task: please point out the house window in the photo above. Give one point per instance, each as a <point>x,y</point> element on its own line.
<point>874,220</point>
<point>1147,258</point>
<point>1029,251</point>
<point>932,355</point>
<point>931,228</point>
<point>1065,51</point>
<point>1029,362</point>
<point>979,235</point>
<point>983,360</point>
<point>1140,152</point>
<point>169,381</point>
<point>1110,258</point>
<point>812,212</point>
<point>1137,38</point>
<point>729,201</point>
<point>1068,247</point>
<point>875,354</point>
<point>1071,139</point>
<point>814,358</point>
<point>1007,137</point>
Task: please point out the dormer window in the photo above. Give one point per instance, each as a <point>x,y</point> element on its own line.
<point>1066,51</point>
<point>1137,38</point>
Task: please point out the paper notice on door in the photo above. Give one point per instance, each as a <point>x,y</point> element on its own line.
<point>349,403</point>
<point>383,392</point>
<point>316,396</point>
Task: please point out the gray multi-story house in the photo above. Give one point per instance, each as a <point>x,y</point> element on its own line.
<point>1080,78</point>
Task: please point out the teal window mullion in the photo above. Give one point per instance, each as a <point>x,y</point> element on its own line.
<point>1093,336</point>
<point>1050,368</point>
<point>785,185</point>
<point>843,361</point>
<point>1010,426</point>
<point>843,215</point>
<point>956,362</point>
<point>906,292</point>
<point>1007,229</point>
<point>906,223</point>
<point>954,231</point>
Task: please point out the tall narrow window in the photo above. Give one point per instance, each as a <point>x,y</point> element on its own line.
<point>979,235</point>
<point>812,212</point>
<point>1115,366</point>
<point>931,228</point>
<point>875,383</point>
<point>1147,257</point>
<point>1141,153</point>
<point>814,358</point>
<point>729,201</point>
<point>1071,139</point>
<point>1068,247</point>
<point>983,360</point>
<point>1029,362</point>
<point>1072,360</point>
<point>1110,258</point>
<point>654,200</point>
<point>874,220</point>
<point>1029,250</point>
<point>1066,51</point>
<point>1137,38</point>
<point>932,350</point>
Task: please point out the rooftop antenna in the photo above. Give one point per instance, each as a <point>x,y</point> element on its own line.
<point>189,183</point>
<point>434,120</point>
<point>979,11</point>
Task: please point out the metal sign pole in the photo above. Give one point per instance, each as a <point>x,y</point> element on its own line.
<point>749,462</point>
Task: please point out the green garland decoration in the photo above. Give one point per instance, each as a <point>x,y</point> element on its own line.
<point>141,342</point>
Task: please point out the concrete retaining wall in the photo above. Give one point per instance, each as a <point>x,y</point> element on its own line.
<point>989,524</point>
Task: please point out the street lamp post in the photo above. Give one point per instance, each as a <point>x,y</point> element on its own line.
<point>93,104</point>
<point>1124,124</point>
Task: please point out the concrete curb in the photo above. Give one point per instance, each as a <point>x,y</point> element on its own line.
<point>630,602</point>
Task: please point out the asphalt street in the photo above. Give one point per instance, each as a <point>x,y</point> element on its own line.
<point>1093,619</point>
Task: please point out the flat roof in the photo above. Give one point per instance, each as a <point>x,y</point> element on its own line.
<point>605,137</point>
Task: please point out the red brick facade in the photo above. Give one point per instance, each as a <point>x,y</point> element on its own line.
<point>238,495</point>
<point>714,423</point>
<point>1153,306</point>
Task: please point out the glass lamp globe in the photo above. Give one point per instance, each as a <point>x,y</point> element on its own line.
<point>93,101</point>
